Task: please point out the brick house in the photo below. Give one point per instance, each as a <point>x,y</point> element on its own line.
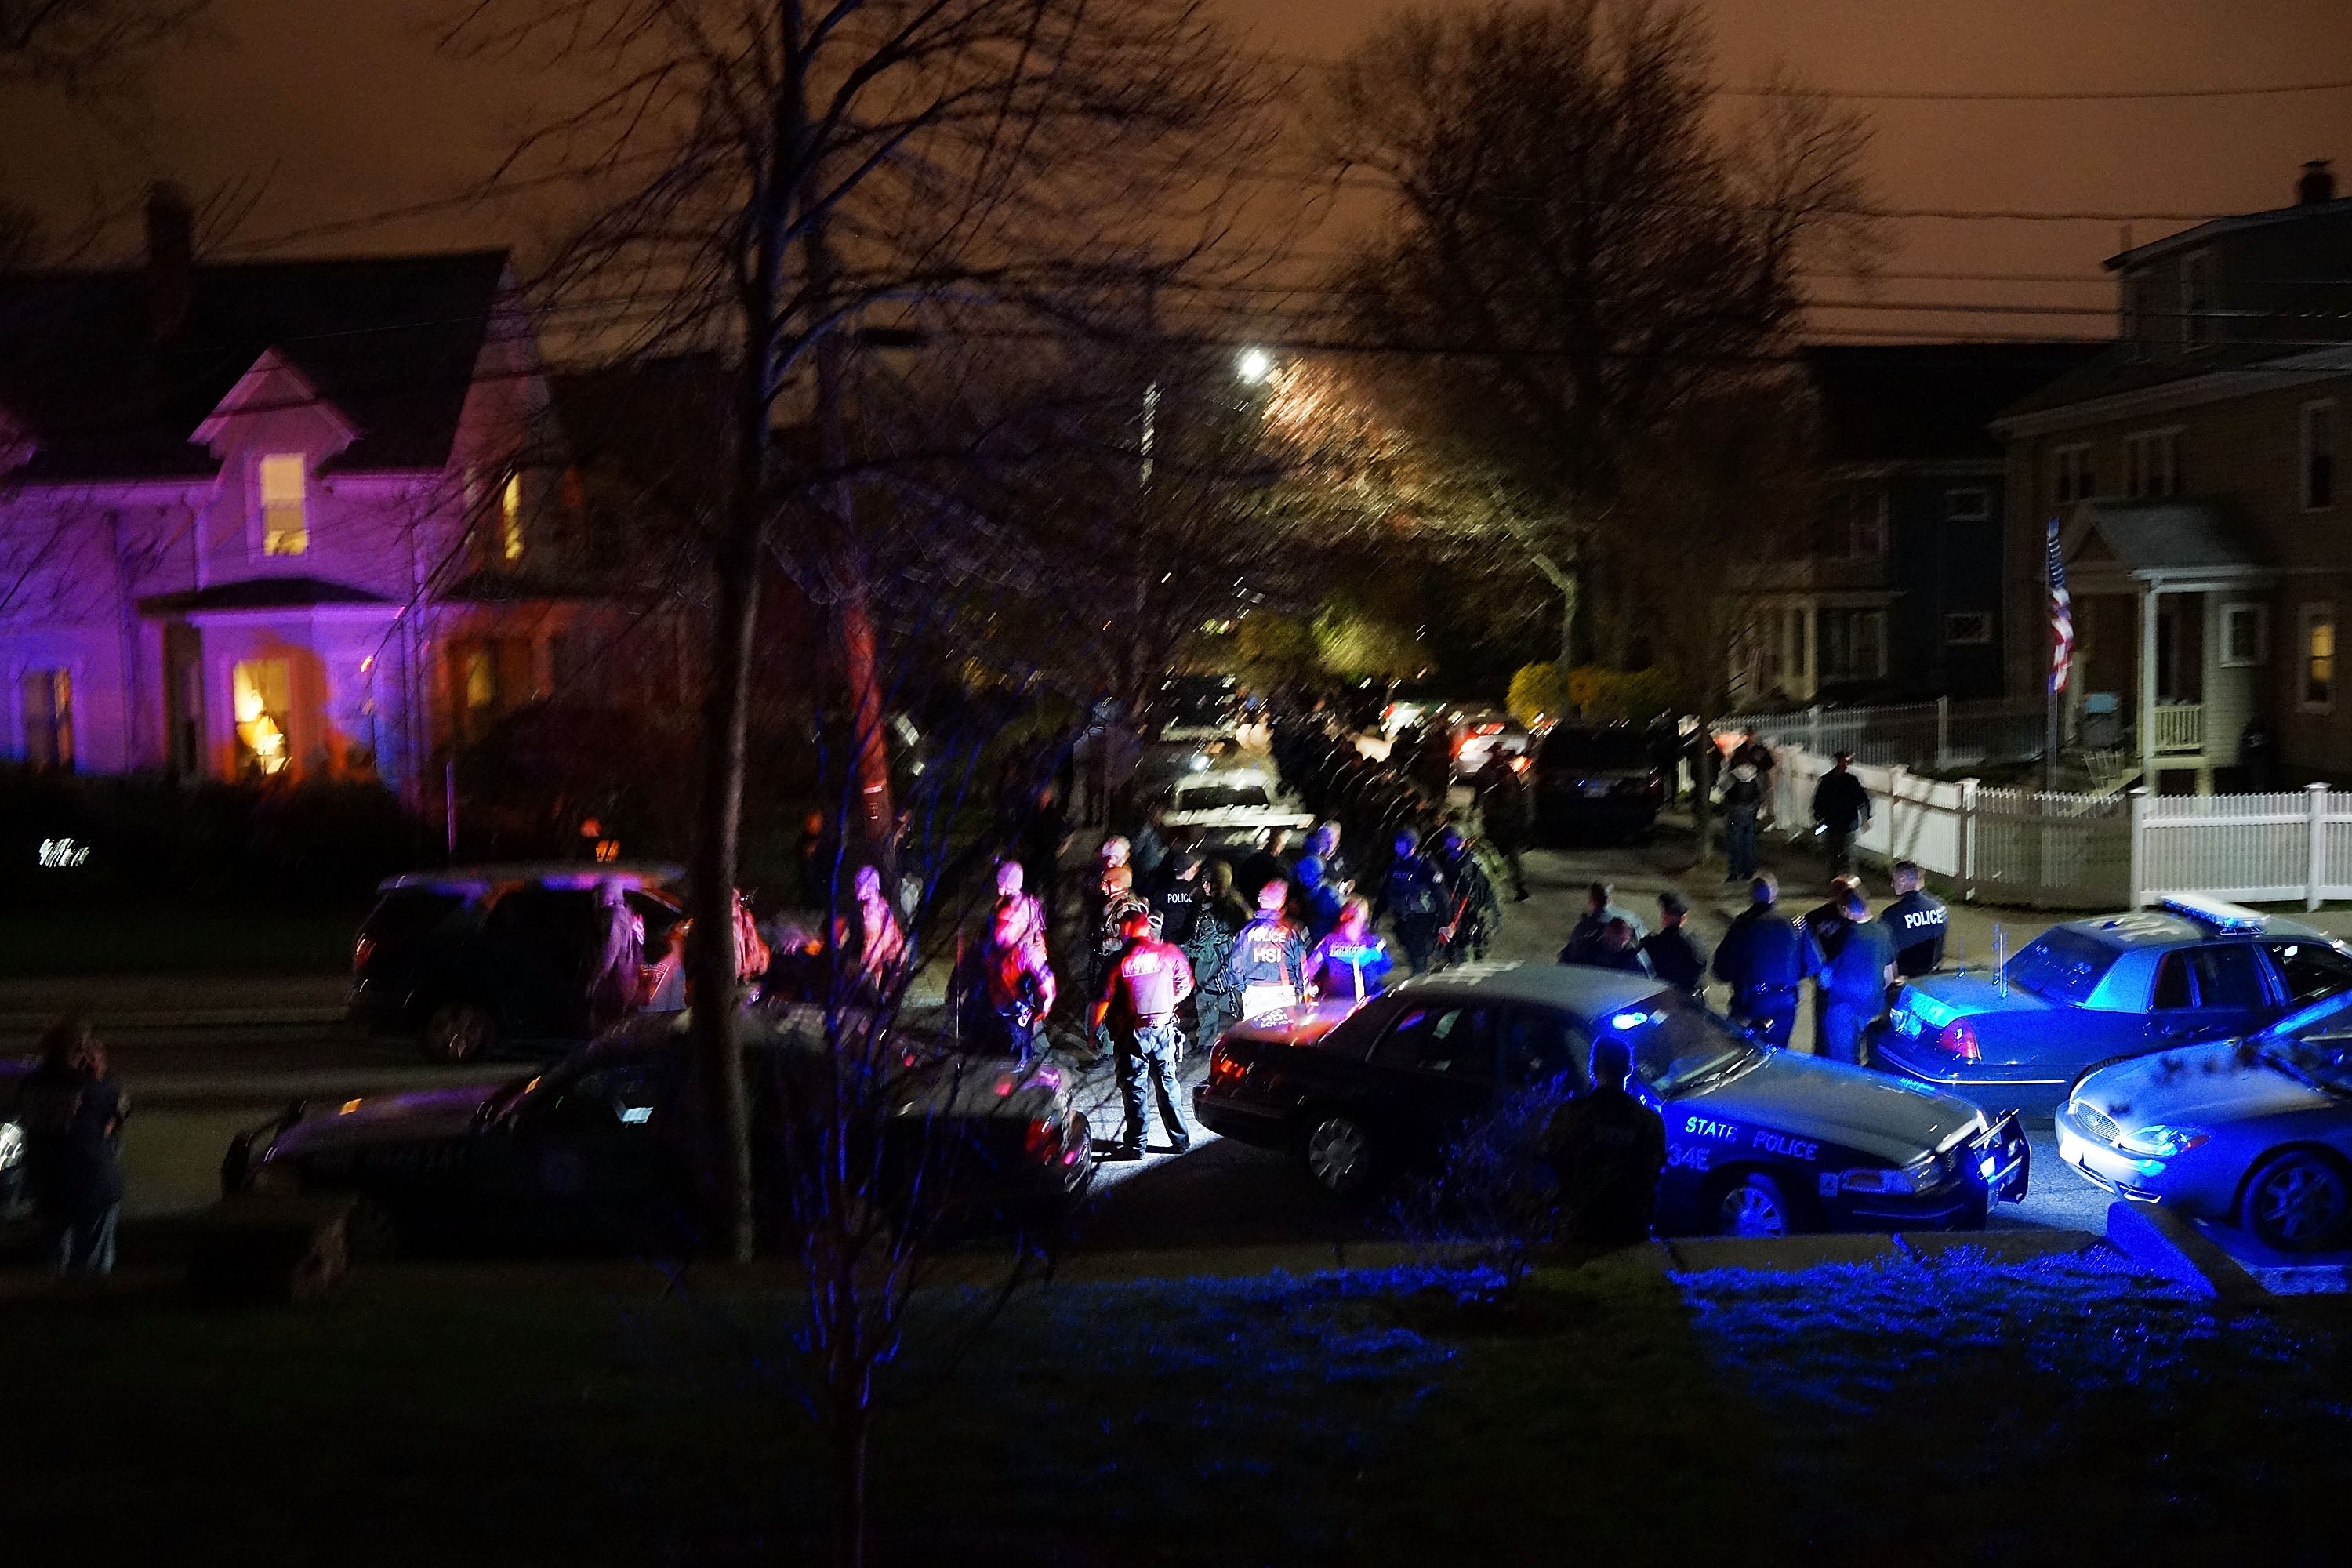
<point>1898,594</point>
<point>2195,474</point>
<point>291,520</point>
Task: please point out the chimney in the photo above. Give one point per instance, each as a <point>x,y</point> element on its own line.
<point>171,252</point>
<point>2316,186</point>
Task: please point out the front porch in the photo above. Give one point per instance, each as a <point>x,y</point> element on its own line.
<point>2170,613</point>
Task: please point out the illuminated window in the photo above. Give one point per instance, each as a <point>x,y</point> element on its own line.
<point>284,518</point>
<point>261,697</point>
<point>49,719</point>
<point>510,519</point>
<point>2318,456</point>
<point>2318,693</point>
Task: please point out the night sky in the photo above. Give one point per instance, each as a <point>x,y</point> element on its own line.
<point>345,109</point>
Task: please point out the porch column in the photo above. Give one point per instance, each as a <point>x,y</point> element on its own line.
<point>2147,684</point>
<point>1812,681</point>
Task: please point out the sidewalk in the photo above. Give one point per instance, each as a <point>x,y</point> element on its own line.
<point>30,1003</point>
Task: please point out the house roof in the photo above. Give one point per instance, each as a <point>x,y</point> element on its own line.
<point>2157,538</point>
<point>1927,402</point>
<point>391,343</point>
<point>2136,367</point>
<point>259,594</point>
<point>2340,208</point>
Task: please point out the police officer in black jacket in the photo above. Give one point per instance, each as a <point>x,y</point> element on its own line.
<point>1916,920</point>
<point>1766,958</point>
<point>1674,953</point>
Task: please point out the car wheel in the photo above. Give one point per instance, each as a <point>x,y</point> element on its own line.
<point>1755,1205</point>
<point>2296,1203</point>
<point>460,1032</point>
<point>1338,1154</point>
<point>371,1233</point>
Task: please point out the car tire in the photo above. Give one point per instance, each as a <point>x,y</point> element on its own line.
<point>460,1032</point>
<point>1337,1153</point>
<point>2297,1201</point>
<point>1754,1204</point>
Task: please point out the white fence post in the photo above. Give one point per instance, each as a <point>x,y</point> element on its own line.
<point>1943,732</point>
<point>1814,729</point>
<point>2316,796</point>
<point>1965,847</point>
<point>2138,845</point>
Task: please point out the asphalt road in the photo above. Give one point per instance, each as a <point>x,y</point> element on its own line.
<point>193,1088</point>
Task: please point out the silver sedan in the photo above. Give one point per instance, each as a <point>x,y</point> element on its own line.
<point>2254,1132</point>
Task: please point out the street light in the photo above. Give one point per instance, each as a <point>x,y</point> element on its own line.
<point>1253,366</point>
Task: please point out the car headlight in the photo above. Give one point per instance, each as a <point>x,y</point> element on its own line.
<point>1924,1174</point>
<point>2164,1142</point>
<point>12,1145</point>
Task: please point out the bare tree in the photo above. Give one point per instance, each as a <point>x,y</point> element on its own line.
<point>1577,253</point>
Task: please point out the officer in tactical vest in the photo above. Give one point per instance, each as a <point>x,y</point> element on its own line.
<point>1766,958</point>
<point>1917,920</point>
<point>1138,1006</point>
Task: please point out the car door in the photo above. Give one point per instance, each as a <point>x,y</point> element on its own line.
<point>2208,990</point>
<point>1542,1049</point>
<point>1430,1071</point>
<point>2308,969</point>
<point>587,1157</point>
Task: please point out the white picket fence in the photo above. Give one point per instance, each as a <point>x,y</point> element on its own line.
<point>2048,848</point>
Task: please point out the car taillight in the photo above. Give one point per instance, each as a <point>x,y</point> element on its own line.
<point>1959,1037</point>
<point>362,951</point>
<point>1224,1069</point>
<point>1044,1140</point>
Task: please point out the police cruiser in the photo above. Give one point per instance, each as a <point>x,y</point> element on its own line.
<point>1759,1141</point>
<point>2120,985</point>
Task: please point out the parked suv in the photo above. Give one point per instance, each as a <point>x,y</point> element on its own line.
<point>476,959</point>
<point>1597,779</point>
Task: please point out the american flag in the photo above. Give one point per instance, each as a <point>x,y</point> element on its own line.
<point>2061,617</point>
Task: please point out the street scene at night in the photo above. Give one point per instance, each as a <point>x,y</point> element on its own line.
<point>1127,782</point>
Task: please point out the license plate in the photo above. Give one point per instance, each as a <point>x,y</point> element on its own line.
<point>1597,786</point>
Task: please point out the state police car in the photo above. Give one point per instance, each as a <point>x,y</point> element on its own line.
<point>1759,1141</point>
<point>2121,985</point>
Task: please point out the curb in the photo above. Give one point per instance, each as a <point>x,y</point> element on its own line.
<point>2167,1246</point>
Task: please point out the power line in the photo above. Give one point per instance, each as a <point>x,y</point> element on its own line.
<point>1958,95</point>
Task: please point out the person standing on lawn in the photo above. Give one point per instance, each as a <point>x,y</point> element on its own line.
<point>73,1113</point>
<point>1138,1008</point>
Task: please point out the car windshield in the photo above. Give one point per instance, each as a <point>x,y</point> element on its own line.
<point>1220,798</point>
<point>2323,1059</point>
<point>1675,1041</point>
<point>2061,965</point>
<point>1595,749</point>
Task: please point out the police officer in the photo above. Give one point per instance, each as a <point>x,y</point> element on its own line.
<point>1826,924</point>
<point>1475,912</point>
<point>1503,816</point>
<point>1765,958</point>
<point>1607,1149</point>
<point>1854,984</point>
<point>1138,1006</point>
<point>1840,809</point>
<point>1600,908</point>
<point>1352,964</point>
<point>1916,920</point>
<point>1674,953</point>
<point>1267,965</point>
<point>1320,900</point>
<point>1176,895</point>
<point>1415,895</point>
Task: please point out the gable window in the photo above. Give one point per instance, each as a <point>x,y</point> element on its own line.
<point>49,719</point>
<point>2317,690</point>
<point>1968,506</point>
<point>2318,456</point>
<point>285,509</point>
<point>1967,628</point>
<point>2071,479</point>
<point>510,519</point>
<point>2197,324</point>
<point>2152,465</point>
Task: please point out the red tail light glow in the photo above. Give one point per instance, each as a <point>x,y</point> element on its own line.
<point>362,951</point>
<point>1960,1038</point>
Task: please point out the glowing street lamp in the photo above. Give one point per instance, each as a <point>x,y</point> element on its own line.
<point>1254,365</point>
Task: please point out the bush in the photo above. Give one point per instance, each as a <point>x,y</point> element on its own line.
<point>1539,692</point>
<point>1638,694</point>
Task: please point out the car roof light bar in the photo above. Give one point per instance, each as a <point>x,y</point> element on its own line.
<point>2222,918</point>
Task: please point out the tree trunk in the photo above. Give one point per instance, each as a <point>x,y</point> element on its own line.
<point>853,618</point>
<point>852,1432</point>
<point>710,940</point>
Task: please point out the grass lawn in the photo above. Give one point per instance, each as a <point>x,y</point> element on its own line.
<point>1961,1413</point>
<point>175,939</point>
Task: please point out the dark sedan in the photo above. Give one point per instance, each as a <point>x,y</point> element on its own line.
<point>1596,780</point>
<point>2090,990</point>
<point>601,1150</point>
<point>1759,1141</point>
